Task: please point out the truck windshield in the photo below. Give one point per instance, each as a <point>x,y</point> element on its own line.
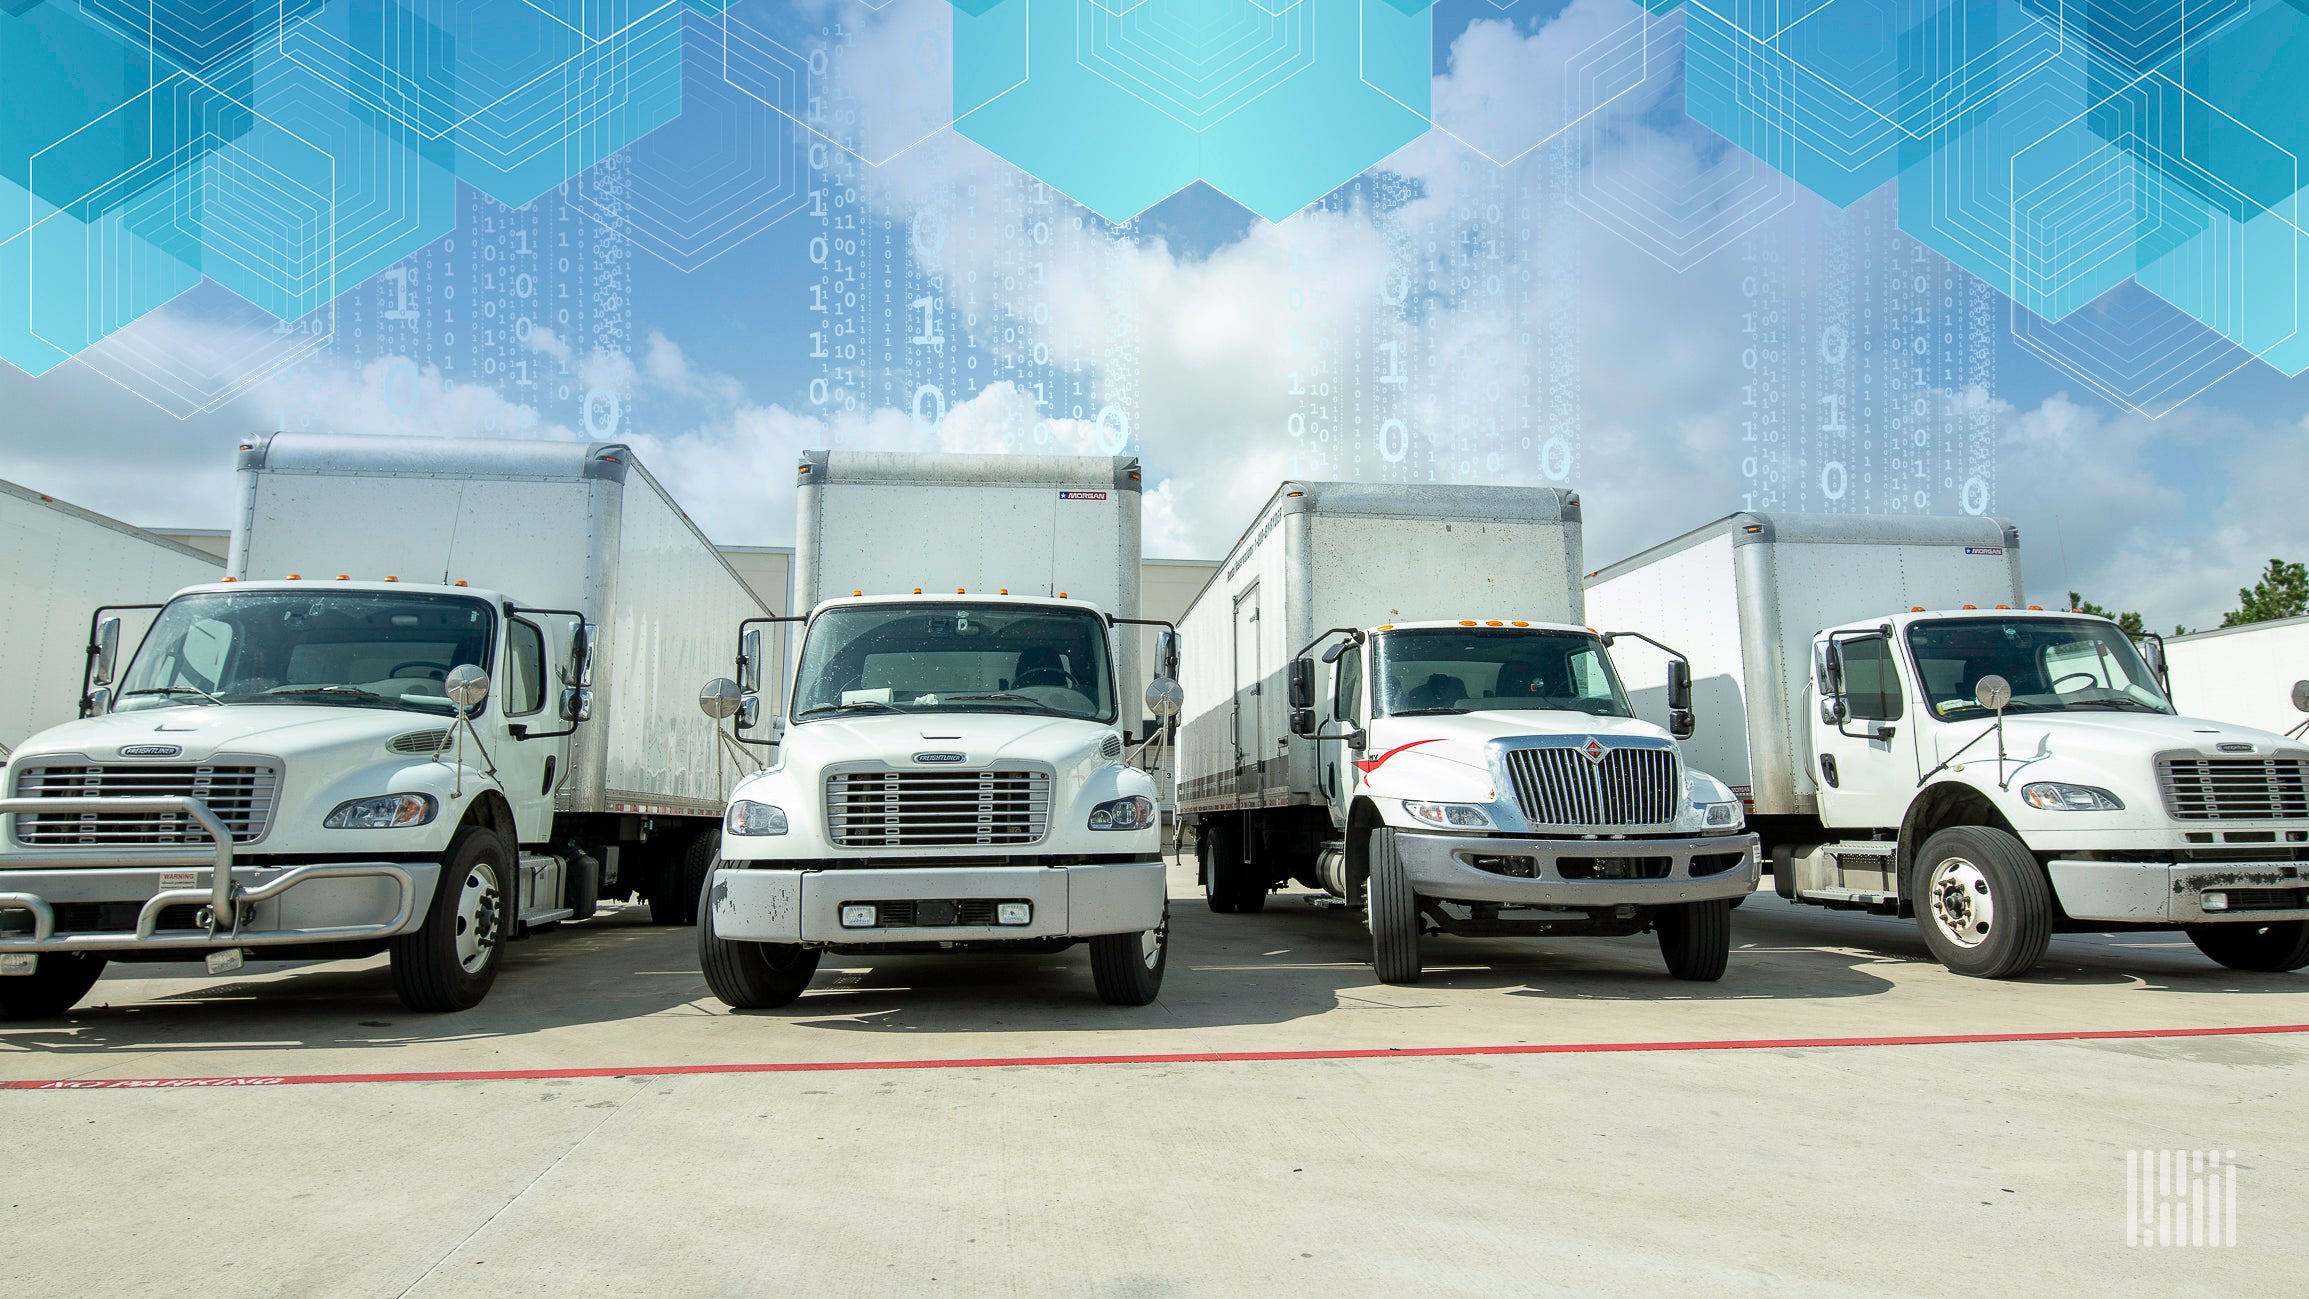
<point>2054,664</point>
<point>1483,669</point>
<point>955,657</point>
<point>348,648</point>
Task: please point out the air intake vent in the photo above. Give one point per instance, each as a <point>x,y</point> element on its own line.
<point>2234,789</point>
<point>417,743</point>
<point>927,809</point>
<point>1111,746</point>
<point>240,795</point>
<point>1628,786</point>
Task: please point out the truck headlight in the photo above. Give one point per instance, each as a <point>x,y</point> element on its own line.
<point>749,817</point>
<point>2053,796</point>
<point>1720,816</point>
<point>1454,816</point>
<point>384,812</point>
<point>1133,813</point>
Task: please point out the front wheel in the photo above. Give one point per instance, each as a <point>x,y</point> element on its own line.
<point>751,976</point>
<point>1128,968</point>
<point>1393,911</point>
<point>1983,902</point>
<point>57,983</point>
<point>450,961</point>
<point>2270,949</point>
<point>1696,939</point>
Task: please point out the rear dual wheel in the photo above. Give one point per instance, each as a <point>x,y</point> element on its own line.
<point>681,875</point>
<point>1229,887</point>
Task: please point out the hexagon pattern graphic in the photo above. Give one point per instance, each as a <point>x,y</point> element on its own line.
<point>2128,172</point>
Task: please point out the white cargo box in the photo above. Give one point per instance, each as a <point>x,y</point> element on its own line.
<point>1742,598</point>
<point>1323,555</point>
<point>2243,675</point>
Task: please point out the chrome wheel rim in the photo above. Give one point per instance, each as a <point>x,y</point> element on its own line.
<point>477,901</point>
<point>1962,907</point>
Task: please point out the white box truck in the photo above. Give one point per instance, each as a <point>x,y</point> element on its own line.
<point>950,766</point>
<point>1472,765</point>
<point>2251,675</point>
<point>1913,742</point>
<point>62,562</point>
<point>440,699</point>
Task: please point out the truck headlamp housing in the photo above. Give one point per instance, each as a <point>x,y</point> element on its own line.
<point>383,812</point>
<point>1133,813</point>
<point>747,817</point>
<point>1451,816</point>
<point>2054,796</point>
<point>1720,816</point>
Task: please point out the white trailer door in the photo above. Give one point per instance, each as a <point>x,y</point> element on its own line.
<point>1249,743</point>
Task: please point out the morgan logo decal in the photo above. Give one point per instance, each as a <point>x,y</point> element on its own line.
<point>149,750</point>
<point>1595,750</point>
<point>1082,496</point>
<point>1369,765</point>
<point>937,757</point>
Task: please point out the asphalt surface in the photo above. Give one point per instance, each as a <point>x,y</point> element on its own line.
<point>1535,1116</point>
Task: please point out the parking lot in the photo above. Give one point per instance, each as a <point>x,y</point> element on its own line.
<point>1533,1116</point>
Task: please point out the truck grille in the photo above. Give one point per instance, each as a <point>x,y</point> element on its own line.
<point>2234,789</point>
<point>241,796</point>
<point>1561,786</point>
<point>928,809</point>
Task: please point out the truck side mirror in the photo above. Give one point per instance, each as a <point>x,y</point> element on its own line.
<point>1682,723</point>
<point>467,687</point>
<point>749,680</point>
<point>576,705</point>
<point>1166,653</point>
<point>578,671</point>
<point>1679,686</point>
<point>720,699</point>
<point>1302,721</point>
<point>1302,683</point>
<point>106,651</point>
<point>2301,695</point>
<point>1164,697</point>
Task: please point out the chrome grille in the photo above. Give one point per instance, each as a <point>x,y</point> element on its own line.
<point>1561,786</point>
<point>2234,789</point>
<point>926,809</point>
<point>241,796</point>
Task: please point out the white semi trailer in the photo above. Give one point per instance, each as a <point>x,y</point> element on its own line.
<point>2251,675</point>
<point>950,769</point>
<point>61,563</point>
<point>1912,741</point>
<point>441,699</point>
<point>1472,765</point>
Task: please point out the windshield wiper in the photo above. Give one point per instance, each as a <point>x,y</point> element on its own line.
<point>849,706</point>
<point>2113,703</point>
<point>996,694</point>
<point>350,694</point>
<point>171,690</point>
<point>1433,712</point>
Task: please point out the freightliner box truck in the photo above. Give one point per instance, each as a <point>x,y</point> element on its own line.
<point>1914,742</point>
<point>442,698</point>
<point>1470,765</point>
<point>61,563</point>
<point>951,762</point>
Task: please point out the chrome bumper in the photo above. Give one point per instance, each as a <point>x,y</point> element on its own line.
<point>237,902</point>
<point>1439,866</point>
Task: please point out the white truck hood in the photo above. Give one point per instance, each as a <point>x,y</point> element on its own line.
<point>983,740</point>
<point>2108,738</point>
<point>202,731</point>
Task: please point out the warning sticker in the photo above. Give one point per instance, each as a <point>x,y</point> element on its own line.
<point>1082,496</point>
<point>179,880</point>
<point>1984,550</point>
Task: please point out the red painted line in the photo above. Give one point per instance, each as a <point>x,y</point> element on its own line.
<point>1188,1057</point>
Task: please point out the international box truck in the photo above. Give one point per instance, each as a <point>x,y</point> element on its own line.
<point>2253,675</point>
<point>62,562</point>
<point>1471,765</point>
<point>442,698</point>
<point>1912,741</point>
<point>951,761</point>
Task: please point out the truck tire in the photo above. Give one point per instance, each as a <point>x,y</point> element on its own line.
<point>452,958</point>
<point>1227,884</point>
<point>673,897</point>
<point>751,976</point>
<point>1393,912</point>
<point>1983,902</point>
<point>1128,968</point>
<point>1695,939</point>
<point>2272,948</point>
<point>57,983</point>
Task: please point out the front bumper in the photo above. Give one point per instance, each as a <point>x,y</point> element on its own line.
<point>2174,892</point>
<point>805,906</point>
<point>1441,866</point>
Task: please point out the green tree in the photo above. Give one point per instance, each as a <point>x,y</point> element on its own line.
<point>2282,592</point>
<point>2128,623</point>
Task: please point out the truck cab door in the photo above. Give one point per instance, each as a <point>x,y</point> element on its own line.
<point>527,768</point>
<point>1335,765</point>
<point>1863,750</point>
